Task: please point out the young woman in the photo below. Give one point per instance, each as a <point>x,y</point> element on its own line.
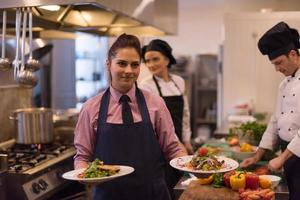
<point>158,58</point>
<point>144,139</point>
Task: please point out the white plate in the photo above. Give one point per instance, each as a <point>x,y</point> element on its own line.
<point>180,164</point>
<point>73,175</point>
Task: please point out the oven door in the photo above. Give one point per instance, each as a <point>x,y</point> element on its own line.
<point>3,185</point>
<point>74,191</point>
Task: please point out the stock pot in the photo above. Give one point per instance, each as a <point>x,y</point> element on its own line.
<point>33,125</point>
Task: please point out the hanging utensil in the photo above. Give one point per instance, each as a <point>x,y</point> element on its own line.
<point>26,78</point>
<point>32,64</point>
<point>16,62</point>
<point>5,63</point>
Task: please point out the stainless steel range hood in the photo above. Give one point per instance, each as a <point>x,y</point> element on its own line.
<point>101,17</point>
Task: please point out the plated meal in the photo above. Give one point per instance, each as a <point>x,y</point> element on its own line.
<point>98,172</point>
<point>97,169</point>
<point>203,162</point>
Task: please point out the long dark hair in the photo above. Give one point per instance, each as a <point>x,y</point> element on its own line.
<point>124,41</point>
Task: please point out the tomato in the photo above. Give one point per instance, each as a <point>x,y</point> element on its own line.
<point>262,170</point>
<point>234,141</point>
<point>202,151</point>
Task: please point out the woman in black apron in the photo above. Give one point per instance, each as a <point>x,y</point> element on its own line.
<point>129,143</point>
<point>158,58</point>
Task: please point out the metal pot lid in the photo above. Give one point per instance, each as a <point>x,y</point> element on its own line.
<point>32,110</point>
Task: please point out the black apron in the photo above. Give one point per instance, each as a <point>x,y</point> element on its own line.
<point>134,145</point>
<point>175,106</point>
<point>291,172</point>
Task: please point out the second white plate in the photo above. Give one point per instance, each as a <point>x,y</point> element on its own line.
<point>73,175</point>
<point>180,164</point>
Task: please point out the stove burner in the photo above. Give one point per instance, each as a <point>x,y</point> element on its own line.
<point>22,157</point>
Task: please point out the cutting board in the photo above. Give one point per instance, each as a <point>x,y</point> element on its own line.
<point>195,191</point>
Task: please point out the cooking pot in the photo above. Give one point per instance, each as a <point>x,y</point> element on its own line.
<point>33,125</point>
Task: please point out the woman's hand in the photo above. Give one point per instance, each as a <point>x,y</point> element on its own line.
<point>81,164</point>
<point>188,147</point>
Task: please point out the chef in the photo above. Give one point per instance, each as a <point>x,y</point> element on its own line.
<point>125,125</point>
<point>281,44</point>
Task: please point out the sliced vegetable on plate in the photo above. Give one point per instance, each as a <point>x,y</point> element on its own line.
<point>97,169</point>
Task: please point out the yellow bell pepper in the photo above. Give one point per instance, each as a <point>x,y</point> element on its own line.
<point>245,147</point>
<point>238,181</point>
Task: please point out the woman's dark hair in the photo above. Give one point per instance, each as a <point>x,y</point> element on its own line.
<point>124,41</point>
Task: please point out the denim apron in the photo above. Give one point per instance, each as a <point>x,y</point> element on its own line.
<point>175,106</point>
<point>291,172</point>
<point>135,145</point>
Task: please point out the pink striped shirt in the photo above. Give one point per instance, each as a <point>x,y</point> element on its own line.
<point>86,128</point>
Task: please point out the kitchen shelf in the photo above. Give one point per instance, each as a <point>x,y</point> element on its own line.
<point>204,101</point>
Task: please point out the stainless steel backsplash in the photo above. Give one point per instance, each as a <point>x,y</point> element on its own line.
<point>12,97</point>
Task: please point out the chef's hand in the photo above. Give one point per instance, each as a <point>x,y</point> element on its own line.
<point>252,160</point>
<point>249,161</point>
<point>276,164</point>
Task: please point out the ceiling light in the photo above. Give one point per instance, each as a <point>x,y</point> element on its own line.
<point>50,7</point>
<point>266,10</point>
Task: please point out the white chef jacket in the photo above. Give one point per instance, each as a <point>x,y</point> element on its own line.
<point>285,122</point>
<point>170,89</point>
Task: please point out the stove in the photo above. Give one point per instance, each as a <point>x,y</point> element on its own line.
<point>34,171</point>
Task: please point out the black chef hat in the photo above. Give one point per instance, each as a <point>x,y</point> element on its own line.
<point>279,40</point>
<point>162,47</point>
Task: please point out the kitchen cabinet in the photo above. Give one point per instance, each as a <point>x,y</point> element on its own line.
<point>204,96</point>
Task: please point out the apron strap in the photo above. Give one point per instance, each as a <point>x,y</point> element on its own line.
<point>103,109</point>
<point>142,105</point>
